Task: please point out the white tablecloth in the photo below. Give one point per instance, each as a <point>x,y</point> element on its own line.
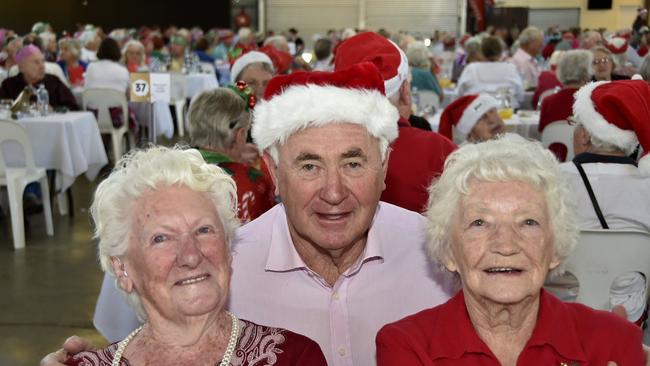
<point>69,143</point>
<point>524,123</point>
<point>160,122</point>
<point>451,95</point>
<point>188,86</point>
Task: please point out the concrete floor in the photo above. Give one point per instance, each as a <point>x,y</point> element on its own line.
<point>50,287</point>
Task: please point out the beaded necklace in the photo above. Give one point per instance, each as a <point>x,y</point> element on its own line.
<point>225,361</point>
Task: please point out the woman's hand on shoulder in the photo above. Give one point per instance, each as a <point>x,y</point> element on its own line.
<point>71,346</point>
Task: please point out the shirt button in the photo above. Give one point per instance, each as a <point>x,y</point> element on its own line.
<point>342,352</point>
<point>336,296</point>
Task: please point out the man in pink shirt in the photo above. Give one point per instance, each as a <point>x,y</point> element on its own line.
<point>331,262</point>
<point>531,41</point>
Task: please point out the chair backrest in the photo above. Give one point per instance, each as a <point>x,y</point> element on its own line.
<point>560,132</point>
<point>545,94</point>
<point>12,131</point>
<point>603,255</point>
<point>102,100</point>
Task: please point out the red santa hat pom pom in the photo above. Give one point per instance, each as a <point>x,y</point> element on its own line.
<point>372,47</point>
<point>464,113</point>
<point>310,99</point>
<point>617,112</point>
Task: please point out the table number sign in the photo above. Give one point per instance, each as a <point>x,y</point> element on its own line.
<point>149,87</point>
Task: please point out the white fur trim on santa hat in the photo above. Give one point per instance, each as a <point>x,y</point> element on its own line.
<point>585,113</point>
<point>474,111</point>
<point>245,60</point>
<point>302,106</point>
<point>393,84</point>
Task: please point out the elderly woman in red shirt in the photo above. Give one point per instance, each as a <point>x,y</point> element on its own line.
<point>510,225</point>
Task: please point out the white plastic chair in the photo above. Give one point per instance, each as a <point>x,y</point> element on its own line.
<point>178,100</point>
<point>603,255</point>
<point>560,132</point>
<point>16,179</point>
<point>102,100</point>
<point>545,94</point>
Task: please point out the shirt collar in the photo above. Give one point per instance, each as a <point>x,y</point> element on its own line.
<point>585,158</point>
<point>556,328</point>
<point>403,122</point>
<point>283,256</point>
<point>457,322</point>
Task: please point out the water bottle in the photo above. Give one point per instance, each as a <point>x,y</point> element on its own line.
<point>415,99</point>
<point>42,100</point>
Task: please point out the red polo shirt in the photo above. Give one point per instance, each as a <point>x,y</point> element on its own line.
<point>417,157</point>
<point>565,332</point>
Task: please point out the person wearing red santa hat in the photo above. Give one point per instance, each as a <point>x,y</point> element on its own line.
<point>472,118</point>
<point>417,156</point>
<point>611,189</point>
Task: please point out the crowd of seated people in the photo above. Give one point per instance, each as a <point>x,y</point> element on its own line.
<point>347,189</point>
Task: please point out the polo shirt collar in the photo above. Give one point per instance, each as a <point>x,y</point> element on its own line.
<point>283,256</point>
<point>554,327</point>
<point>457,322</point>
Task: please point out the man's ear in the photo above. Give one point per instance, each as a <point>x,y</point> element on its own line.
<point>273,170</point>
<point>123,279</point>
<point>241,134</point>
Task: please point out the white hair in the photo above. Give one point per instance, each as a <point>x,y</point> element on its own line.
<point>143,170</point>
<point>505,159</point>
<point>575,67</point>
<point>530,34</point>
<point>139,45</point>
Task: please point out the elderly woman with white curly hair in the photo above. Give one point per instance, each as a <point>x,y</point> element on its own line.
<point>500,220</point>
<point>165,219</point>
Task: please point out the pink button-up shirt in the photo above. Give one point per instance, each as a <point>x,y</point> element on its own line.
<point>527,67</point>
<point>272,285</point>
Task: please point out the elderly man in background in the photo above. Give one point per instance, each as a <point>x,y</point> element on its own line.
<point>531,41</point>
<point>611,189</point>
<point>323,261</point>
<point>31,64</point>
<point>417,156</point>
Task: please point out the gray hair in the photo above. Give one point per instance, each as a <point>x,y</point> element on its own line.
<point>214,116</point>
<point>277,41</point>
<point>505,159</point>
<point>265,66</point>
<point>136,43</point>
<point>575,67</point>
<point>418,55</point>
<point>143,170</point>
<point>530,34</point>
<point>644,69</point>
<point>73,45</point>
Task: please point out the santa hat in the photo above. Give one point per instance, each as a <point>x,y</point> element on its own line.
<point>281,60</point>
<point>386,55</point>
<point>246,59</point>
<point>310,99</point>
<point>617,45</point>
<point>617,112</point>
<point>464,113</point>
<point>26,52</point>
